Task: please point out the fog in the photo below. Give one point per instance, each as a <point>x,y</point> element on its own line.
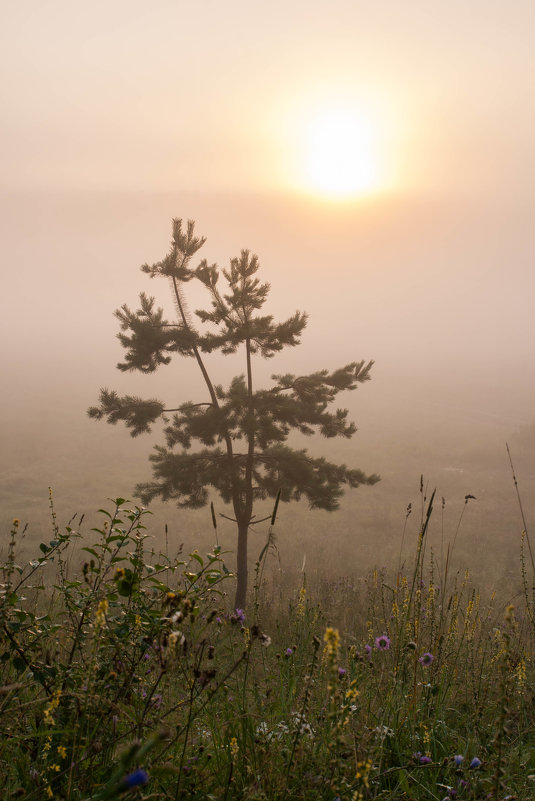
<point>439,292</point>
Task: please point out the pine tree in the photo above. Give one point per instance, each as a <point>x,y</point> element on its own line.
<point>239,432</point>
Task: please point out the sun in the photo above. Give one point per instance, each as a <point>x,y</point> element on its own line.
<point>339,154</point>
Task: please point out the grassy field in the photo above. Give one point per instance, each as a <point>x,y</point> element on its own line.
<point>132,676</point>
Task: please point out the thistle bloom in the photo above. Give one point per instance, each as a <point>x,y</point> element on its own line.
<point>458,759</point>
<point>475,763</point>
<point>382,643</point>
<point>240,615</point>
<point>426,659</point>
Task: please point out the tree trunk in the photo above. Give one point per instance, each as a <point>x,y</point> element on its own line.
<point>241,587</point>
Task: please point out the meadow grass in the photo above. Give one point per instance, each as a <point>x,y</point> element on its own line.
<point>131,676</point>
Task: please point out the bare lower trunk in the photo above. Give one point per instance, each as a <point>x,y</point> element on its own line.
<point>241,587</point>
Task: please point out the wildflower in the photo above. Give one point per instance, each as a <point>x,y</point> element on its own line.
<point>458,759</point>
<point>288,652</point>
<point>16,522</point>
<point>171,596</point>
<point>421,758</point>
<point>62,751</point>
<point>331,639</point>
<point>53,704</point>
<point>341,672</point>
<point>240,615</point>
<point>135,779</point>
<point>475,763</point>
<point>352,694</point>
<point>301,724</point>
<point>234,747</point>
<point>120,573</point>
<point>302,602</point>
<point>382,643</point>
<point>384,731</point>
<point>426,659</point>
<point>100,617</point>
<point>368,650</point>
<point>265,640</point>
<point>176,638</point>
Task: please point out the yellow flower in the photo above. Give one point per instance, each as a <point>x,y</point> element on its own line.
<point>234,747</point>
<point>54,703</point>
<point>100,617</point>
<point>62,751</point>
<point>301,604</point>
<point>331,638</point>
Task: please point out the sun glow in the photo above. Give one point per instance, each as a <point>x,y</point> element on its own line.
<point>340,154</point>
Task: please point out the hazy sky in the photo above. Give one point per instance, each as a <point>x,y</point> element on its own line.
<point>250,117</point>
<point>378,156</point>
<point>222,94</point>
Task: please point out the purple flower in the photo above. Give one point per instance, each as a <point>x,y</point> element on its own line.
<point>425,760</point>
<point>426,659</point>
<point>458,759</point>
<point>238,616</point>
<point>288,652</point>
<point>341,672</point>
<point>368,650</point>
<point>475,763</point>
<point>382,643</point>
<point>135,779</point>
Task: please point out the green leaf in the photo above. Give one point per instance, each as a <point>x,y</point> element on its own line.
<point>91,551</point>
<point>403,780</point>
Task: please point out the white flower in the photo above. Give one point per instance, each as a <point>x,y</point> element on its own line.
<point>176,638</point>
<point>383,731</point>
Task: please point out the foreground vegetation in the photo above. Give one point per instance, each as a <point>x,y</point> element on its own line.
<point>131,676</point>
